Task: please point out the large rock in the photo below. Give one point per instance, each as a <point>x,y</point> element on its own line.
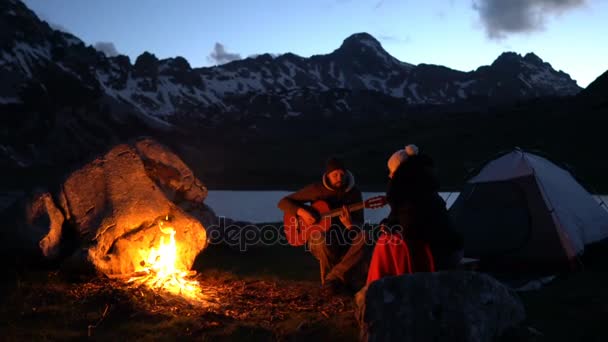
<point>116,203</point>
<point>45,221</point>
<point>441,306</point>
<point>166,169</point>
<point>176,180</point>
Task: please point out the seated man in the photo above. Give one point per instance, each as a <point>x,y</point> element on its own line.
<point>340,249</point>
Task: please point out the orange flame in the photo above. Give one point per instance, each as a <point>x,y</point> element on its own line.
<point>159,270</point>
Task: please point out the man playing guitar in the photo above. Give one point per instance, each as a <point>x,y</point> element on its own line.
<point>341,248</point>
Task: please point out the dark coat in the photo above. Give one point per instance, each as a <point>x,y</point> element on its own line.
<point>417,209</point>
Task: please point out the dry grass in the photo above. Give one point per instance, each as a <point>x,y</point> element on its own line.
<point>269,294</point>
<point>43,305</point>
<point>51,308</point>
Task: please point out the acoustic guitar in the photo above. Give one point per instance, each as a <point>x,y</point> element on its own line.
<point>298,232</point>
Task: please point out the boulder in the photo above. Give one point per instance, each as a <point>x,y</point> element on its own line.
<point>440,306</point>
<point>116,204</point>
<point>167,170</point>
<point>45,222</point>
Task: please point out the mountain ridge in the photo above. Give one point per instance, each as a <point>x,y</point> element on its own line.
<point>61,101</point>
<point>168,91</point>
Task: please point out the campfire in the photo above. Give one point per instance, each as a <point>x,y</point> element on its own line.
<point>158,269</point>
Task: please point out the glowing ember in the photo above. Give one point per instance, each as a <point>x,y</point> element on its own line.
<point>159,271</point>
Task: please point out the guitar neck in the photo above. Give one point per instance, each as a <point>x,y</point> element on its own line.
<point>351,208</point>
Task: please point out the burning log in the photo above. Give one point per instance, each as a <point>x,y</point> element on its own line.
<point>160,269</point>
<point>127,210</point>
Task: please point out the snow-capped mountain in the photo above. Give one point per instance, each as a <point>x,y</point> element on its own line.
<point>170,90</point>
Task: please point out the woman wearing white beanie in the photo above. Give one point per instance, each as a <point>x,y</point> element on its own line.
<point>418,220</point>
<point>399,157</point>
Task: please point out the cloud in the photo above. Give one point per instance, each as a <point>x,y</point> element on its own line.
<point>502,17</point>
<point>395,39</point>
<point>219,55</point>
<point>107,48</point>
<point>379,4</point>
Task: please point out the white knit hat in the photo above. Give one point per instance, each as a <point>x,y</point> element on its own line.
<point>400,156</point>
<point>411,150</point>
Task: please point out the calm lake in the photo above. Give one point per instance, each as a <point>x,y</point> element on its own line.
<point>261,206</point>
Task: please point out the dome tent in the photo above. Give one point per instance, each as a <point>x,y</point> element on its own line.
<point>522,212</point>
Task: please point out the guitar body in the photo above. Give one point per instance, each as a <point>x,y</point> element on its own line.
<point>297,232</point>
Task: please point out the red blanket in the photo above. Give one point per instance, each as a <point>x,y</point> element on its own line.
<point>395,256</point>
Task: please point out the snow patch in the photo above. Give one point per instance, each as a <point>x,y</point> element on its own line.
<point>292,68</point>
<point>332,70</point>
<point>342,103</point>
<point>462,94</point>
<point>375,48</point>
<point>316,73</point>
<point>341,80</point>
<point>373,83</point>
<point>521,77</point>
<point>287,105</point>
<point>221,87</point>
<point>34,51</point>
<point>399,91</point>
<point>414,90</point>
<point>552,80</point>
<point>465,83</point>
<point>67,70</point>
<point>126,95</point>
<point>254,82</point>
<point>26,55</point>
<point>5,58</point>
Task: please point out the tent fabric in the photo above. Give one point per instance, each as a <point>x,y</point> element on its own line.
<point>522,208</point>
<point>509,166</point>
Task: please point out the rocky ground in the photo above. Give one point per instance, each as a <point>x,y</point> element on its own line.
<point>269,293</point>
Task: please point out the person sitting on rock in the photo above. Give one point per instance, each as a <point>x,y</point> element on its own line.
<point>419,236</point>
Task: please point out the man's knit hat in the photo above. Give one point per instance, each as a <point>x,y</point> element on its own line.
<point>334,163</point>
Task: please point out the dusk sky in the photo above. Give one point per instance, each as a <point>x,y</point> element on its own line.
<point>460,34</point>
